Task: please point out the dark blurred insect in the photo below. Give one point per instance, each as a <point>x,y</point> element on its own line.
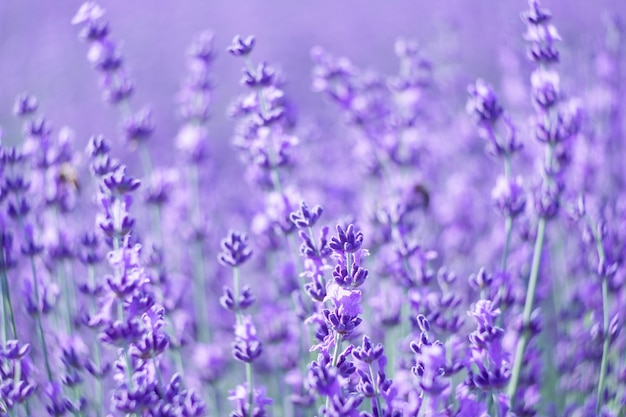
<point>68,175</point>
<point>422,191</point>
<point>417,197</point>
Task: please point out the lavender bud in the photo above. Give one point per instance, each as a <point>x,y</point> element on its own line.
<point>241,47</point>
<point>235,250</point>
<point>25,105</point>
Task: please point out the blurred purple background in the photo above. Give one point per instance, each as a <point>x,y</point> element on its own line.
<point>40,52</point>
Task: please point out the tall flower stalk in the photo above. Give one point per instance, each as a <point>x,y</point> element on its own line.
<point>557,124</point>
<point>247,347</point>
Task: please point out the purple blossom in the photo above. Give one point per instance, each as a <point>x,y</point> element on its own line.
<point>114,299</point>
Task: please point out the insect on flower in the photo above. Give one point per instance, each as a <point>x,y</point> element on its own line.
<point>68,174</point>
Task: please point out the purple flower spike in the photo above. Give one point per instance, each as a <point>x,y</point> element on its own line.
<point>344,406</point>
<point>118,91</point>
<point>59,404</point>
<point>139,127</point>
<point>541,34</point>
<point>25,105</point>
<point>31,246</point>
<point>240,397</point>
<point>191,141</point>
<point>483,103</point>
<point>262,76</point>
<point>488,355</point>
<point>90,11</point>
<point>347,241</point>
<point>94,31</point>
<point>97,146</point>
<point>305,217</point>
<point>246,299</point>
<point>241,46</point>
<point>15,350</point>
<point>321,377</point>
<point>536,15</point>
<point>508,196</point>
<point>368,352</point>
<point>105,57</point>
<point>119,183</point>
<point>545,88</point>
<point>355,278</point>
<point>246,347</point>
<point>235,250</point>
<point>15,393</point>
<point>202,48</point>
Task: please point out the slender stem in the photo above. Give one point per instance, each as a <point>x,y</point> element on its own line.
<point>127,361</point>
<point>197,259</point>
<point>305,300</point>
<point>376,392</point>
<point>146,159</point>
<point>91,273</point>
<point>67,312</point>
<point>27,408</point>
<point>5,321</point>
<point>528,308</point>
<point>10,329</point>
<point>348,266</point>
<point>508,229</point>
<point>7,304</point>
<point>507,166</point>
<point>338,339</point>
<point>250,380</point>
<point>605,316</point>
<point>605,346</point>
<point>199,297</point>
<point>157,370</point>
<point>236,294</point>
<point>495,402</point>
<point>392,335</point>
<point>42,336</point>
<point>424,406</point>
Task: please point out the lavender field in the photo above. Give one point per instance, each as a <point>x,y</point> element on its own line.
<point>298,209</point>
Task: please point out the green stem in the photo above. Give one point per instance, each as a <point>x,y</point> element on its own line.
<point>507,166</point>
<point>42,336</point>
<point>91,273</point>
<point>496,409</point>
<point>146,160</point>
<point>376,391</point>
<point>605,346</point>
<point>7,304</point>
<point>157,370</point>
<point>199,292</point>
<point>199,299</point>
<point>250,380</point>
<point>66,293</point>
<point>10,330</point>
<point>338,339</point>
<point>605,317</point>
<point>508,228</point>
<point>528,309</point>
<point>127,360</point>
<point>236,294</point>
<point>424,406</point>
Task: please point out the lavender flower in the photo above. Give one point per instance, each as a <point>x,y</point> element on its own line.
<point>186,325</point>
